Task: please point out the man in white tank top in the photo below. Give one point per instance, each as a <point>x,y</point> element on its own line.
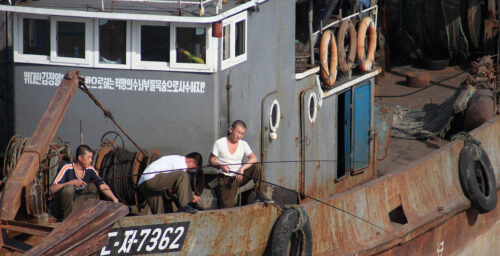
<point>227,155</point>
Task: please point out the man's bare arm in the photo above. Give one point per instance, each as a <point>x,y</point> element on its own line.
<point>107,191</point>
<point>56,187</point>
<point>213,161</point>
<point>251,160</point>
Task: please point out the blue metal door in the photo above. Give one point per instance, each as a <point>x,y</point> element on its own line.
<point>361,127</point>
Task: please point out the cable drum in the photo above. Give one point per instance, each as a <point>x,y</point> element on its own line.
<point>13,152</point>
<point>117,171</point>
<point>34,203</point>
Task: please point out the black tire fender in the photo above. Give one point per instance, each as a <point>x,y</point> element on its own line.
<point>477,177</point>
<point>435,64</point>
<point>292,234</point>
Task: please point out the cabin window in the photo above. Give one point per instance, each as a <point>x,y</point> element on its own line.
<point>155,43</point>
<point>170,47</point>
<point>274,116</point>
<point>152,45</point>
<point>36,36</point>
<point>234,40</point>
<point>70,40</point>
<point>32,40</point>
<point>313,107</point>
<point>104,43</point>
<point>240,38</point>
<point>191,45</point>
<point>112,43</point>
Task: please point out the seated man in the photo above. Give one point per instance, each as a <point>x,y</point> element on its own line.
<point>170,172</point>
<point>77,182</point>
<point>227,155</point>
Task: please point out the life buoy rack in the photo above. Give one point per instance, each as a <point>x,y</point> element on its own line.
<point>328,51</point>
<point>477,177</point>
<point>292,234</point>
<point>346,61</point>
<point>367,26</point>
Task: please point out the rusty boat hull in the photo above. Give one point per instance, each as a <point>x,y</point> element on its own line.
<point>439,218</point>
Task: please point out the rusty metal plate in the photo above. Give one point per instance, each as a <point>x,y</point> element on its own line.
<point>236,231</point>
<point>383,127</point>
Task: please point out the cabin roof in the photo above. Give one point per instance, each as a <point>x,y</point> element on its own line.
<point>148,10</point>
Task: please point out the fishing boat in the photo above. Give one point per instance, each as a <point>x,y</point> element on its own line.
<point>350,171</point>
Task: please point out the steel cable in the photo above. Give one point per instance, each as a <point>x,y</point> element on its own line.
<point>120,163</point>
<point>267,182</point>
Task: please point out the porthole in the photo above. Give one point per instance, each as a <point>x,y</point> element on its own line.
<point>313,107</point>
<point>274,115</point>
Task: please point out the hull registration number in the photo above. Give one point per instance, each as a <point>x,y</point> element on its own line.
<point>146,239</point>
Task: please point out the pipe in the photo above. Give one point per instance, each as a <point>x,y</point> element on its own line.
<point>228,93</point>
<point>310,24</point>
<point>324,20</point>
<point>81,132</point>
<point>8,99</point>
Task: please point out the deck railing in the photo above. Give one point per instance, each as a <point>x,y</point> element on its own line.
<point>180,3</point>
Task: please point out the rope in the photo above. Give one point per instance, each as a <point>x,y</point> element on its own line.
<point>322,202</point>
<point>422,124</point>
<point>467,138</point>
<point>302,216</point>
<point>270,183</point>
<point>447,29</point>
<point>107,113</point>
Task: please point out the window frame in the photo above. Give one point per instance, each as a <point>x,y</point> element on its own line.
<point>128,48</point>
<point>133,44</point>
<point>89,44</point>
<point>19,55</point>
<point>136,61</point>
<point>173,51</point>
<point>231,22</point>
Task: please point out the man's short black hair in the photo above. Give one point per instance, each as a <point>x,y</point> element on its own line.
<point>240,123</point>
<point>196,157</point>
<point>82,149</point>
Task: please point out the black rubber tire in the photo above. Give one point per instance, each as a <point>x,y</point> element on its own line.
<point>478,179</point>
<point>465,168</point>
<point>286,242</point>
<point>435,64</point>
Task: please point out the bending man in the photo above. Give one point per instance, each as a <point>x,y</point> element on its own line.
<point>170,172</point>
<point>77,182</point>
<point>227,155</point>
